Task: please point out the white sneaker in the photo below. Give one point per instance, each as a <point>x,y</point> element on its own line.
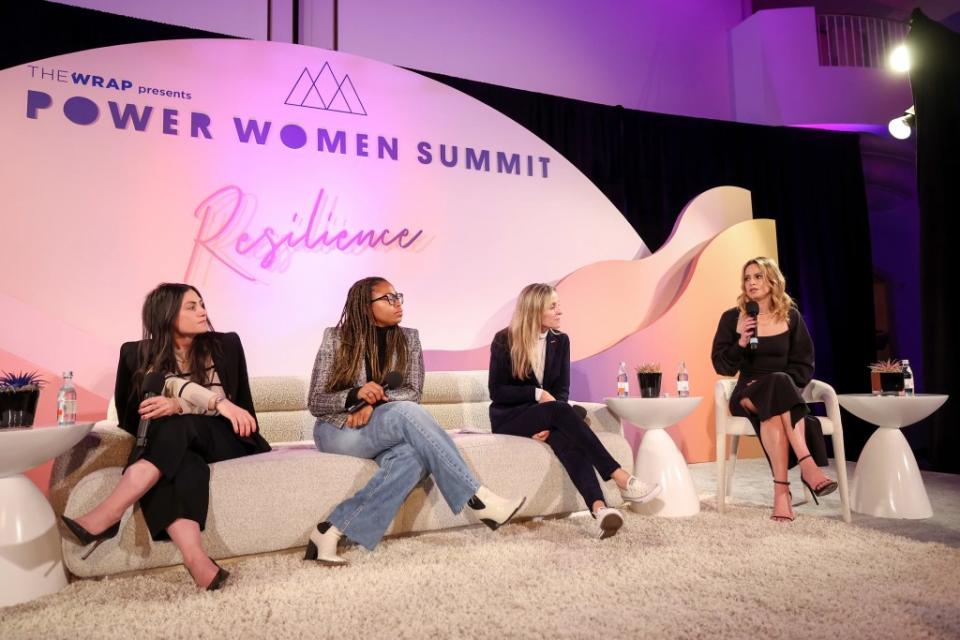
<point>609,521</point>
<point>639,491</point>
<point>493,510</point>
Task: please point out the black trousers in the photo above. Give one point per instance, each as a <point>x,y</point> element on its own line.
<point>182,447</point>
<point>576,446</point>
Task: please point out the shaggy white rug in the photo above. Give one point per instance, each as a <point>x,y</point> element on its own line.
<point>711,576</point>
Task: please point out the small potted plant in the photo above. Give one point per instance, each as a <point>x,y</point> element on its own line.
<point>886,378</point>
<point>649,376</point>
<point>19,393</point>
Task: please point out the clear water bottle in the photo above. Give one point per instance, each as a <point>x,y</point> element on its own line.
<point>67,401</point>
<point>683,380</point>
<point>907,378</point>
<point>623,382</point>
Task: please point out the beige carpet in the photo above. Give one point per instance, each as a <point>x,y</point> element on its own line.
<point>735,576</point>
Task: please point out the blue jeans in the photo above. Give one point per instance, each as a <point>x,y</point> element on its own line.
<point>408,444</point>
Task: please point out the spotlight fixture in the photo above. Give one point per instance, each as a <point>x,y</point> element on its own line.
<point>900,59</point>
<point>901,128</point>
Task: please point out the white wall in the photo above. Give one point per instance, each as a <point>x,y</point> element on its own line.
<point>778,78</point>
<point>659,55</point>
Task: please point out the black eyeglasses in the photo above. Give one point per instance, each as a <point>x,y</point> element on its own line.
<point>393,299</point>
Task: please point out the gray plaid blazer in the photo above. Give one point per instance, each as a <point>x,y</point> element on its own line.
<point>331,407</point>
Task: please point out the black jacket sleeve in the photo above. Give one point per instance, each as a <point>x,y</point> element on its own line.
<point>123,387</point>
<point>561,388</point>
<point>243,396</point>
<point>727,354</point>
<point>504,388</point>
<point>800,359</point>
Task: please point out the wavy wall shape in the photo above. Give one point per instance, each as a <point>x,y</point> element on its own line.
<point>607,301</point>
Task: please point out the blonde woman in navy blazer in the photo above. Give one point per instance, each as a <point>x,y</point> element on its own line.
<point>530,385</point>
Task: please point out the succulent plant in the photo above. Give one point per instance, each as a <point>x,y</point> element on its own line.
<point>648,367</point>
<point>21,381</point>
<point>887,366</point>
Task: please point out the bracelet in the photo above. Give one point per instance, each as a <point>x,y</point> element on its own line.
<point>217,402</point>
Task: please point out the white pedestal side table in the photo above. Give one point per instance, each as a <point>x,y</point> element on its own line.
<point>31,563</point>
<point>887,482</point>
<point>658,458</point>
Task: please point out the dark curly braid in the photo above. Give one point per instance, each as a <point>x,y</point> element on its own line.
<point>358,340</point>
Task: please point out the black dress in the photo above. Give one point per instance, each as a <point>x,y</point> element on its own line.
<point>772,377</point>
<point>183,446</point>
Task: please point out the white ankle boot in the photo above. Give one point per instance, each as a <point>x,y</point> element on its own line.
<point>493,510</point>
<point>323,545</point>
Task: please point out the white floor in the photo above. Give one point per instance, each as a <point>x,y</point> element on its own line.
<point>752,484</point>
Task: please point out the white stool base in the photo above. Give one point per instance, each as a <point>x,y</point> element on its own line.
<point>31,564</point>
<point>660,461</point>
<point>887,482</point>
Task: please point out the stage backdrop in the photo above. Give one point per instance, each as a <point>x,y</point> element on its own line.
<point>271,176</point>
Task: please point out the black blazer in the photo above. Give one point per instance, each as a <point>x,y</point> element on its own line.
<point>231,366</point>
<point>511,396</point>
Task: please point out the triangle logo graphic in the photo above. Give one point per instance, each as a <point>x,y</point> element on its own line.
<point>326,92</point>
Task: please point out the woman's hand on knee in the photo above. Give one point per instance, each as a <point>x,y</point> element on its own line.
<point>158,407</point>
<point>541,436</point>
<point>243,423</point>
<point>545,396</point>
<point>360,418</point>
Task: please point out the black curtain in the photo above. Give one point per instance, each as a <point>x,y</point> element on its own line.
<point>649,165</point>
<point>935,78</point>
<point>809,181</point>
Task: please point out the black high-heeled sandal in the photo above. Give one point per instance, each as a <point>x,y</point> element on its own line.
<point>789,518</point>
<point>826,487</point>
<point>218,580</point>
<point>85,537</point>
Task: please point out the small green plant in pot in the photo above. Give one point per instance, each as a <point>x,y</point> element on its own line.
<point>649,377</point>
<point>19,393</point>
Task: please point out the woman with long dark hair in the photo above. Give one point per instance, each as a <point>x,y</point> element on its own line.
<point>391,427</point>
<point>772,376</point>
<point>530,385</point>
<point>205,414</point>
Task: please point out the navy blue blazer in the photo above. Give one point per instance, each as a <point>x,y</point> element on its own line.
<point>511,396</point>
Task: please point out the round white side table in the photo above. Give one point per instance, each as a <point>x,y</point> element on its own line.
<point>658,458</point>
<point>31,564</point>
<point>887,482</point>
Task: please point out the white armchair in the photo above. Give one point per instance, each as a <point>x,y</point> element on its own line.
<point>735,427</point>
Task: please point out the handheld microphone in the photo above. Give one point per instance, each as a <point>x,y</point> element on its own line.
<point>392,380</point>
<point>753,310</point>
<point>152,387</point>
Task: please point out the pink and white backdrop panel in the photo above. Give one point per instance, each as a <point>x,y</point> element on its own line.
<point>272,176</point>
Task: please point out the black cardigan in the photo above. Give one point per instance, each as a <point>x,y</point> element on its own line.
<point>729,357</point>
<point>231,366</point>
<point>511,396</point>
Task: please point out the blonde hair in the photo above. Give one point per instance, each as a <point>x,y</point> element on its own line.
<point>780,301</point>
<point>524,331</point>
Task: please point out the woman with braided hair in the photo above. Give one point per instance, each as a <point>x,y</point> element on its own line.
<point>389,426</point>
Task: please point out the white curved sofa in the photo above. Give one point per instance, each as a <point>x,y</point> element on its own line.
<point>271,501</point>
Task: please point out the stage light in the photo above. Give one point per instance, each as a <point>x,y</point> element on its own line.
<point>900,59</point>
<point>899,129</point>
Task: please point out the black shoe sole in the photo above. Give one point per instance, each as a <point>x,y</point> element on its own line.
<point>494,525</point>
